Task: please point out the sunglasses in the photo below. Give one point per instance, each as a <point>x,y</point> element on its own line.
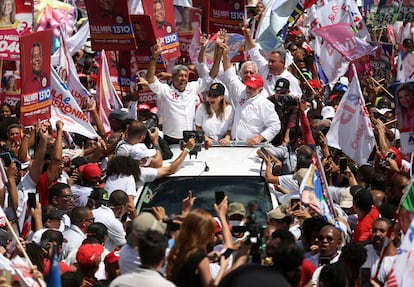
<point>210,95</point>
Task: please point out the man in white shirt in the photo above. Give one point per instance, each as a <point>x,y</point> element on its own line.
<point>109,215</point>
<point>273,68</point>
<point>178,99</point>
<point>255,118</point>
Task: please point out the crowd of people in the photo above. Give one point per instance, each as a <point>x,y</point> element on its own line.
<point>74,198</point>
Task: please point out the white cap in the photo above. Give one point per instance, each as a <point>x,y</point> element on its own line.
<point>140,151</point>
<point>328,112</point>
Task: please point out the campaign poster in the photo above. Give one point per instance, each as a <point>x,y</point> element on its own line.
<point>110,27</point>
<point>381,62</point>
<point>188,21</point>
<point>163,23</point>
<point>144,34</point>
<point>387,13</point>
<point>406,13</point>
<point>15,20</point>
<point>226,15</point>
<point>204,6</point>
<point>35,50</point>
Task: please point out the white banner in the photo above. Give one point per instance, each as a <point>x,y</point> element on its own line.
<point>351,128</point>
<point>66,109</point>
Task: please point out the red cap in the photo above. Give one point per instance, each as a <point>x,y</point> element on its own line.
<point>112,257</point>
<point>254,81</point>
<point>88,254</point>
<point>91,172</point>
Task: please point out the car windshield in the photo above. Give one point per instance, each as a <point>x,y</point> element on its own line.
<point>169,193</point>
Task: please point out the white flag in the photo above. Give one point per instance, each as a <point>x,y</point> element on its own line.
<point>402,274</point>
<point>66,109</point>
<point>108,99</point>
<point>351,128</point>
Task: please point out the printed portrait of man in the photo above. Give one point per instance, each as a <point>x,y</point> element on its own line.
<point>39,78</point>
<point>162,27</point>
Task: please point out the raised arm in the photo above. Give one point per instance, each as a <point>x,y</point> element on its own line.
<point>248,39</point>
<point>55,162</point>
<point>156,52</point>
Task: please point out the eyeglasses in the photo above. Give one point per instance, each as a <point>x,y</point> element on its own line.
<point>68,197</point>
<point>328,238</point>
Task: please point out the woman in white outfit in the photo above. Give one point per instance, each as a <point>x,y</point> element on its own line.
<point>215,117</point>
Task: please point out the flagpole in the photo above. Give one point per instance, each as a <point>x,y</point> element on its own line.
<point>303,76</point>
<point>17,240</point>
<point>383,88</point>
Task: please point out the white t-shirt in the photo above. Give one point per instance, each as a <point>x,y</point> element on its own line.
<point>122,182</point>
<point>213,127</point>
<point>178,108</point>
<point>116,232</point>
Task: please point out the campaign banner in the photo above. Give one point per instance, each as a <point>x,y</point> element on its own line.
<point>36,98</point>
<point>406,13</point>
<point>163,23</point>
<point>188,21</point>
<point>387,13</point>
<point>66,109</point>
<point>110,26</point>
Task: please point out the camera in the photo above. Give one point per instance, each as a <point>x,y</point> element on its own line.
<point>198,138</point>
<point>384,163</point>
<point>151,124</point>
<point>286,100</point>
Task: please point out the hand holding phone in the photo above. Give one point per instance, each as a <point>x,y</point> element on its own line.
<point>343,164</point>
<point>7,158</point>
<point>264,152</point>
<point>31,200</point>
<point>227,253</point>
<point>219,196</point>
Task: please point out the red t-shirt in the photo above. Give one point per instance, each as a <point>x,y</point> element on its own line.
<point>42,188</point>
<point>62,266</point>
<point>362,231</point>
<point>306,272</point>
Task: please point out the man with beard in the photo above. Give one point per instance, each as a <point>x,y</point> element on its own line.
<point>178,99</point>
<point>378,234</point>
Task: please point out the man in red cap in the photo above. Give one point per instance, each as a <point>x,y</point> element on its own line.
<point>89,177</point>
<point>88,259</point>
<point>255,118</point>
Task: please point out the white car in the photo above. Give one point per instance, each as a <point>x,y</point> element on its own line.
<point>235,170</point>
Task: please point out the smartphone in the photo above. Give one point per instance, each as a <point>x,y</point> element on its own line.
<point>7,158</point>
<point>227,253</point>
<point>147,209</point>
<point>294,204</point>
<point>264,151</point>
<point>219,195</point>
<point>343,162</point>
<point>31,201</point>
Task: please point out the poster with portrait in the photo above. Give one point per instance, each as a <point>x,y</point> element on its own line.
<point>227,15</point>
<point>406,13</point>
<point>163,23</point>
<point>14,22</point>
<point>110,27</point>
<point>36,98</point>
<point>404,112</point>
<point>188,21</point>
<point>144,34</point>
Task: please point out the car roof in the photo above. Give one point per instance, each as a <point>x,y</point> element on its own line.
<point>221,161</point>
